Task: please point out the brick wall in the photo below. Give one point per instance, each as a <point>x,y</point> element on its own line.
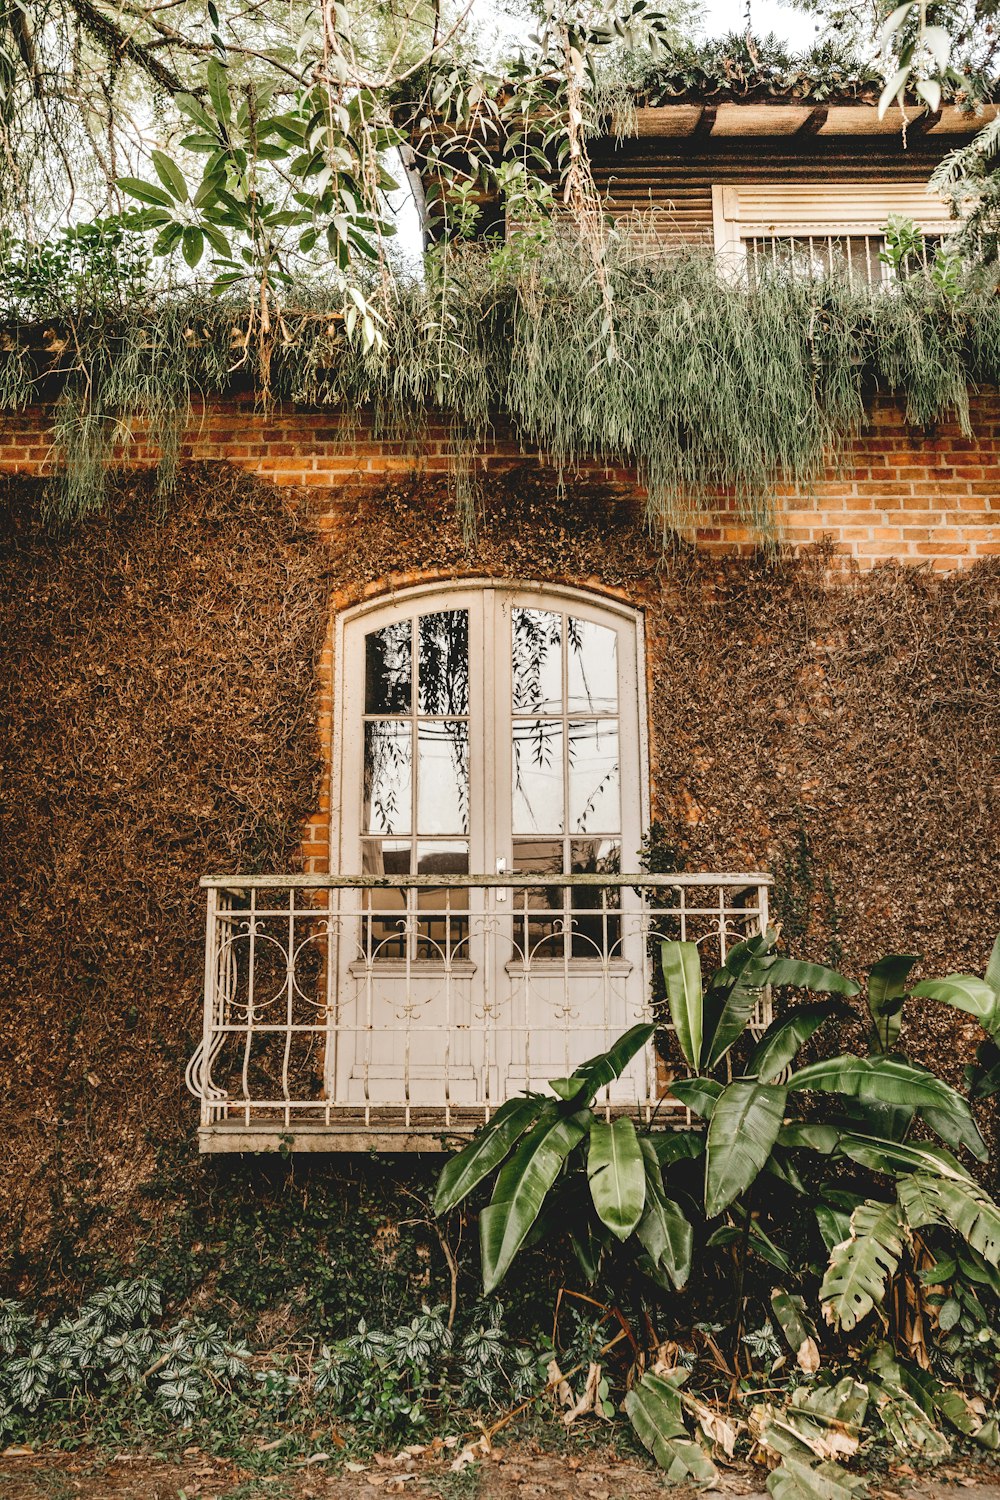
<point>930,498</point>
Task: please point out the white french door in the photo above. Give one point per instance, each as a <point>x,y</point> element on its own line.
<point>486,729</point>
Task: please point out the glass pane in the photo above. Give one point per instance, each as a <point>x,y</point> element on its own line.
<point>388,669</point>
<point>594,795</point>
<point>592,667</point>
<point>443,858</point>
<point>385,857</point>
<point>388,776</point>
<point>443,776</point>
<point>444,662</point>
<point>538,856</point>
<point>596,857</point>
<point>536,661</point>
<point>538,776</point>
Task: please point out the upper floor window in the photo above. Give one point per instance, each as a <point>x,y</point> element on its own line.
<point>815,230</point>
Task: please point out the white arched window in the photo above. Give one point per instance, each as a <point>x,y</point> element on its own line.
<point>486,729</point>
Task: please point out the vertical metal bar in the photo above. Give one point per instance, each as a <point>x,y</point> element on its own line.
<point>212,1005</point>
<point>289,1006</point>
<point>252,946</point>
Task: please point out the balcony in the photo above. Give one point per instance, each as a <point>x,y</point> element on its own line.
<point>395,1013</point>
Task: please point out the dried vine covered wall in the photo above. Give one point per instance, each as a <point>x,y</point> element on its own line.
<point>161,692</point>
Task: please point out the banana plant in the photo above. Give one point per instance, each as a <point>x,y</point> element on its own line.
<point>979,998</point>
<point>535,1140</point>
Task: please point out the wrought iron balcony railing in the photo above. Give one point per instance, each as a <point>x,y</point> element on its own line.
<point>351,1012</point>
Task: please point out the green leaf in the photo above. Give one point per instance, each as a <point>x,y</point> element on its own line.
<point>218,90</point>
<point>486,1150</point>
<point>697,1094</point>
<point>616,1174</point>
<point>146,192</point>
<point>675,1145</point>
<point>964,992</point>
<point>654,1409</point>
<point>682,976</point>
<point>881,1080</point>
<point>784,1037</point>
<point>790,1312</point>
<point>803,976</point>
<point>590,1077</point>
<point>862,1265</point>
<point>886,993</point>
<point>963,1205</point>
<point>193,244</point>
<point>744,1127</point>
<point>664,1230</point>
<point>170,175</point>
<point>983,1076</point>
<point>880,1155</point>
<point>992,975</point>
<point>732,995</point>
<point>809,1136</point>
<point>521,1189</point>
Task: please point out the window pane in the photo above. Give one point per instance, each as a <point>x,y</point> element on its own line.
<point>538,857</point>
<point>388,669</point>
<point>388,777</point>
<point>536,661</point>
<point>538,776</point>
<point>594,795</point>
<point>444,662</point>
<point>443,776</point>
<point>443,858</point>
<point>592,663</point>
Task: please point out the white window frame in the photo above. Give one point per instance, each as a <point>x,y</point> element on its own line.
<point>342,847</point>
<point>821,210</point>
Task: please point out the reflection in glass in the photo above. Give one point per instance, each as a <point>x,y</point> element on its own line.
<point>442,776</point>
<point>388,669</point>
<point>538,857</point>
<point>592,668</point>
<point>444,662</point>
<point>449,857</point>
<point>594,794</point>
<point>385,857</point>
<point>538,776</point>
<point>388,777</point>
<point>595,856</point>
<point>536,661</point>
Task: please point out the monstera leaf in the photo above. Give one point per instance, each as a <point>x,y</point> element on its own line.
<point>861,1266</point>
<point>961,1203</point>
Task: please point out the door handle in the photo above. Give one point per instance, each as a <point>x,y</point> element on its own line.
<point>501,870</point>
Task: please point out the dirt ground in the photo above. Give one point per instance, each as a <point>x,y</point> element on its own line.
<point>515,1472</point>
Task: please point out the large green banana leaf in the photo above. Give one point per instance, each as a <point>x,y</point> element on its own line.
<point>590,1077</point>
<point>654,1408</point>
<point>697,1094</point>
<point>521,1189</point>
<point>744,1127</point>
<point>732,995</point>
<point>784,1037</point>
<point>790,971</point>
<point>617,1175</point>
<point>880,1155</point>
<point>886,993</point>
<point>861,1266</point>
<point>682,976</point>
<point>663,1230</point>
<point>676,1145</point>
<point>964,992</point>
<point>992,975</point>
<point>468,1167</point>
<point>964,1205</point>
<point>884,1080</point>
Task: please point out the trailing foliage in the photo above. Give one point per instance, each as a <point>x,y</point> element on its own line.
<point>705,383</point>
